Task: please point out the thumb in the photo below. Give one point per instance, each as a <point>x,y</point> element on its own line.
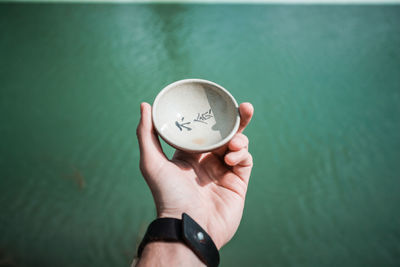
<point>151,152</point>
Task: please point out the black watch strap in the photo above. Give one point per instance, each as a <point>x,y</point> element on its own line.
<point>186,231</point>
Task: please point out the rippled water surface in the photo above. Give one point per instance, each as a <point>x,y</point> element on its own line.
<point>325,83</point>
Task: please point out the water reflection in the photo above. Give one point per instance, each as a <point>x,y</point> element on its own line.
<point>173,34</point>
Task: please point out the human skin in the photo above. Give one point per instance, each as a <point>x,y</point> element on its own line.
<point>210,187</point>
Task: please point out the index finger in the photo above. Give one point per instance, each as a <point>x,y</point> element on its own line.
<point>246,111</point>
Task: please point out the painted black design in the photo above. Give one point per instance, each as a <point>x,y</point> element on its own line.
<point>201,117</point>
<point>182,125</point>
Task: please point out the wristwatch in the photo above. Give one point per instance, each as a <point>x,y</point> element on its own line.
<point>185,230</point>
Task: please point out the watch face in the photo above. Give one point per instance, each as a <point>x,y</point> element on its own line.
<point>200,237</point>
<point>199,241</point>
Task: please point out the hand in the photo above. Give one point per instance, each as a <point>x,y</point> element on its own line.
<point>210,187</point>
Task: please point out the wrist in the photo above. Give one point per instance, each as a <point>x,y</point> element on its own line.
<point>182,239</point>
<point>168,254</point>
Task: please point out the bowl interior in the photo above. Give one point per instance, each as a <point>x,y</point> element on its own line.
<point>195,115</point>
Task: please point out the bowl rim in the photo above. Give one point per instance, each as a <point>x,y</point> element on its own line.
<point>191,149</point>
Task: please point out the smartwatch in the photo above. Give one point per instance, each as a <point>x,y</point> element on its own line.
<point>184,230</point>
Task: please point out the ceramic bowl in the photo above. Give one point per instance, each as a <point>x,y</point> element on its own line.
<point>195,115</point>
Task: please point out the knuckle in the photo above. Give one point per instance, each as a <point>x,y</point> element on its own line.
<point>243,139</point>
<point>250,159</point>
<point>138,130</point>
<point>246,139</point>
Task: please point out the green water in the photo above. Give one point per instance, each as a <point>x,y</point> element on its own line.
<point>325,83</point>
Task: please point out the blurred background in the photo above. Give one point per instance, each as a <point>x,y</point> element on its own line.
<point>325,84</point>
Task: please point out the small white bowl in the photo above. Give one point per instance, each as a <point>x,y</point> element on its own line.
<point>195,115</point>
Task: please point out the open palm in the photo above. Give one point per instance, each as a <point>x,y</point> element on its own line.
<point>210,187</point>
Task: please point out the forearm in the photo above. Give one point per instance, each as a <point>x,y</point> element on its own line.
<point>168,254</point>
